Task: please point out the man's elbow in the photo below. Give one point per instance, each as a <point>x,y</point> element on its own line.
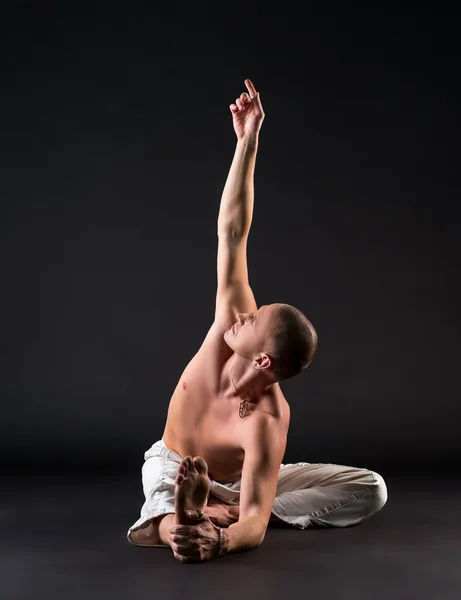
<point>262,535</point>
<point>246,534</point>
<point>258,528</point>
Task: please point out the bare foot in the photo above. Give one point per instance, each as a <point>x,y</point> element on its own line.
<point>192,487</point>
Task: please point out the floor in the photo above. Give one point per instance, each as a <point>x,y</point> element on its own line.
<point>65,537</point>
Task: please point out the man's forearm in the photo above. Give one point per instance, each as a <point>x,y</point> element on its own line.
<point>246,534</point>
<point>236,209</point>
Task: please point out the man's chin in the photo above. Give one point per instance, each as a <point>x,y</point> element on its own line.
<point>228,335</point>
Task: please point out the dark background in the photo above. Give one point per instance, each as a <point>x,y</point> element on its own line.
<point>116,139</point>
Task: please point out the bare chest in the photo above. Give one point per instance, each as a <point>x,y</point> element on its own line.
<point>202,424</point>
<point>206,424</point>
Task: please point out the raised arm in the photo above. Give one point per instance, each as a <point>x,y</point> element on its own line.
<point>234,294</point>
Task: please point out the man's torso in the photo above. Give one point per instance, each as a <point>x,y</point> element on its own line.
<point>203,422</point>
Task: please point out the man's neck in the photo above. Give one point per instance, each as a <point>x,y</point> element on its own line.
<point>246,382</point>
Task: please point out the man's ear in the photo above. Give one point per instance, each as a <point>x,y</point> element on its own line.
<point>262,361</point>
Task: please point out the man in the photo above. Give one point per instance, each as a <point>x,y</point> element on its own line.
<point>229,412</point>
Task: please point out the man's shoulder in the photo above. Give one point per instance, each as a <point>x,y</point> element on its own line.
<point>210,359</point>
<point>215,344</point>
<point>275,408</point>
<point>265,442</point>
<point>267,424</point>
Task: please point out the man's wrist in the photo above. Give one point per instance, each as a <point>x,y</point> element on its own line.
<point>250,141</point>
<point>222,543</point>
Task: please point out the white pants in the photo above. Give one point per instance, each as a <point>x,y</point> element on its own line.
<point>308,494</point>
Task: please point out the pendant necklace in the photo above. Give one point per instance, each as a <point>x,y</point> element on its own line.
<point>243,408</point>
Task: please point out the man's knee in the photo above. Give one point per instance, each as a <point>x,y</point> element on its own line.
<point>379,494</point>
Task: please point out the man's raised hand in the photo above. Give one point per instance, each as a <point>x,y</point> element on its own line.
<point>247,113</point>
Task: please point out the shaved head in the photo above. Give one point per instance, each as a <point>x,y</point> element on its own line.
<point>279,331</point>
<point>291,340</point>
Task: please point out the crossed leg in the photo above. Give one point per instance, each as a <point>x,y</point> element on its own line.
<point>308,495</point>
<point>157,531</point>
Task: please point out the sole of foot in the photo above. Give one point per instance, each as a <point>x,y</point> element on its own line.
<point>192,488</point>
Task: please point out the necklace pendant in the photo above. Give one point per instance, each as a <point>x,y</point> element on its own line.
<point>243,408</point>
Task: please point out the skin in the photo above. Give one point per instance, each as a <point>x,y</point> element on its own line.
<point>248,369</point>
<point>249,366</point>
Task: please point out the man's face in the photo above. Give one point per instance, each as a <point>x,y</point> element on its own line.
<point>248,335</point>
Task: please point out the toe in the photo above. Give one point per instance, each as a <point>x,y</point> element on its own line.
<point>200,465</point>
<point>186,464</point>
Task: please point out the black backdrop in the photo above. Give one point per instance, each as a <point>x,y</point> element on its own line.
<point>116,142</point>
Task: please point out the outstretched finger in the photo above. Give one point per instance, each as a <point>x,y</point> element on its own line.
<point>250,88</point>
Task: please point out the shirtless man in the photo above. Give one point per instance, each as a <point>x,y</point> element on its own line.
<point>228,410</point>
